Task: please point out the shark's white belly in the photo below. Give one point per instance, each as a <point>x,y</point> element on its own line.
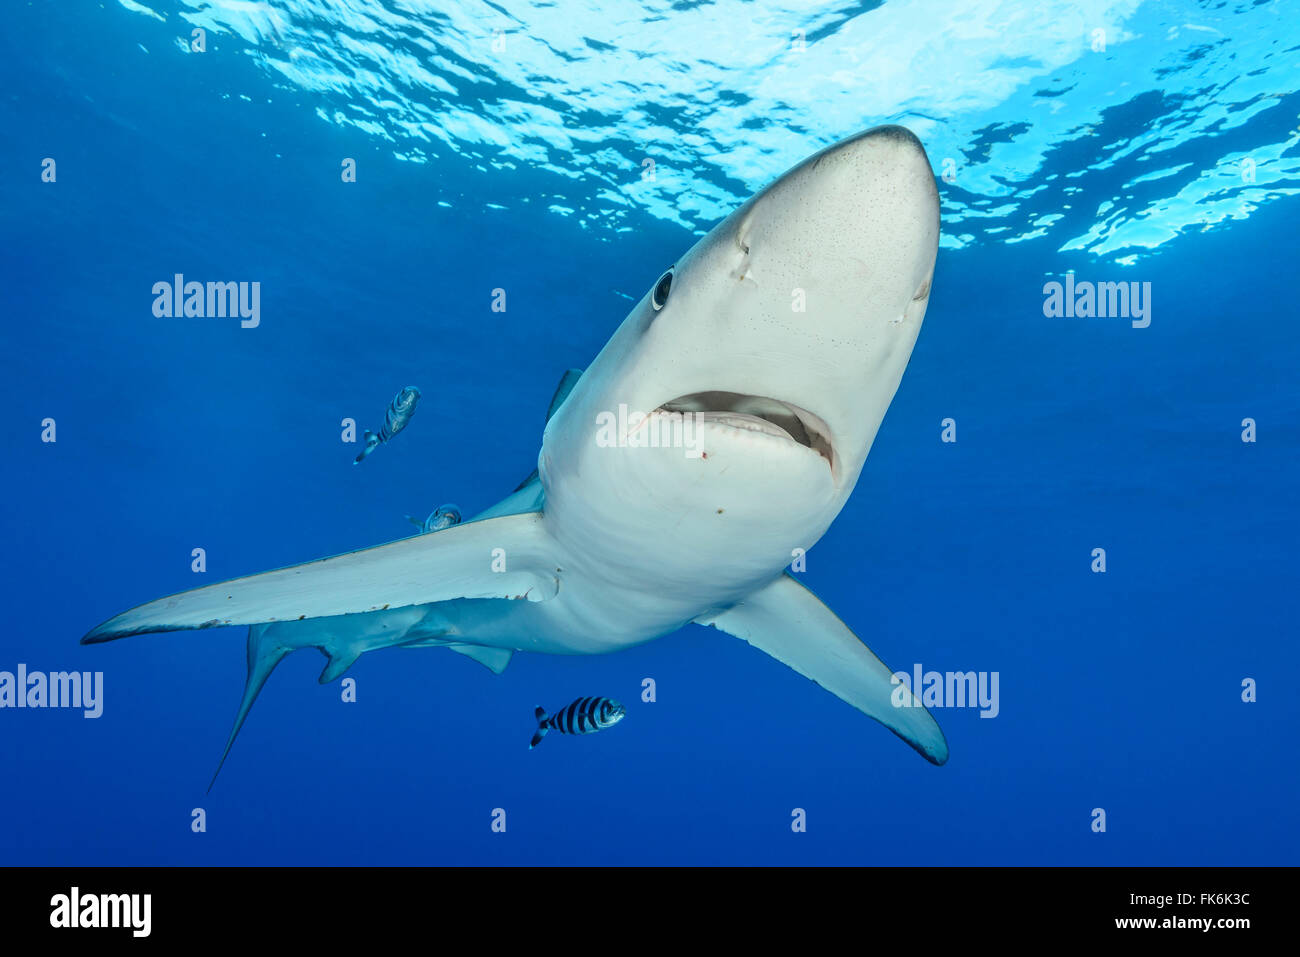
<point>588,615</point>
<point>643,547</point>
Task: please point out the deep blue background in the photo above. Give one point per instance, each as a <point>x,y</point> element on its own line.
<point>1119,691</point>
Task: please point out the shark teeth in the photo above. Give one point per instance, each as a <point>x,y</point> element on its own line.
<point>749,423</point>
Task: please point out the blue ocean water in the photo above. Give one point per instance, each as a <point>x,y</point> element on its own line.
<point>503,146</point>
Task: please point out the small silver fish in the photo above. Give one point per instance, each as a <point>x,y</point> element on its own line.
<point>584,716</point>
<point>396,418</point>
<point>444,516</point>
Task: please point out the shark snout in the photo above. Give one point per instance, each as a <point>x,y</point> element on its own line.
<point>881,172</point>
<point>899,139</point>
<point>870,198</point>
<point>857,223</point>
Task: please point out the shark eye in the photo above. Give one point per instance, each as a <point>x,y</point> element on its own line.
<point>662,287</point>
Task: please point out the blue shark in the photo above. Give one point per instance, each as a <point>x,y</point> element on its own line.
<point>718,433</point>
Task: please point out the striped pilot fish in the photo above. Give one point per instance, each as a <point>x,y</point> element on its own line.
<point>398,415</point>
<point>581,717</point>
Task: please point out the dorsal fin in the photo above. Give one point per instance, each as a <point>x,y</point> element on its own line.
<point>567,382</point>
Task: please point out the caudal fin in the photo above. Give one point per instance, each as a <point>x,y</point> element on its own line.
<point>263,656</point>
<point>372,443</point>
<point>541,727</point>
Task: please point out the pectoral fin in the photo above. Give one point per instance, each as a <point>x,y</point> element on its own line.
<point>792,625</point>
<point>506,557</point>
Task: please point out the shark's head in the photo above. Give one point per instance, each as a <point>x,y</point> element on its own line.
<point>797,314</point>
<point>785,330</point>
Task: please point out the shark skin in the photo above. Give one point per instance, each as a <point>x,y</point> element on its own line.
<point>782,335</point>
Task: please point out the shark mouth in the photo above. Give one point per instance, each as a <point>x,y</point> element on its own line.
<point>756,413</point>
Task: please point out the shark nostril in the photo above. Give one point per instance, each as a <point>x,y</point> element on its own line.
<point>922,292</point>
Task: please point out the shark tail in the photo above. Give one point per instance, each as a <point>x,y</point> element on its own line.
<point>541,728</point>
<point>263,656</point>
